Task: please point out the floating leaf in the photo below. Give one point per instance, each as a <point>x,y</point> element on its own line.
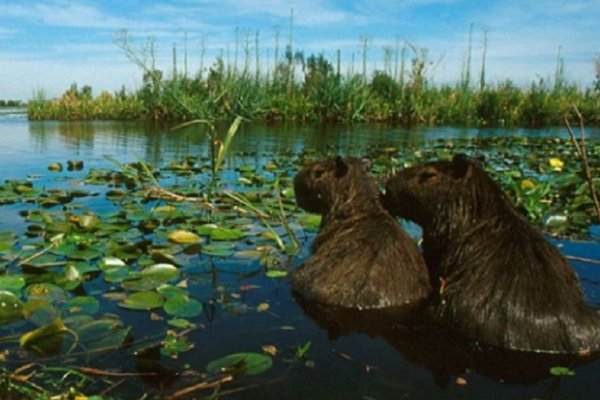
<point>241,364</point>
<point>83,304</point>
<point>45,339</point>
<point>262,307</point>
<point>151,277</point>
<point>40,312</point>
<point>227,234</point>
<point>46,291</point>
<point>218,249</point>
<point>106,332</point>
<point>10,307</point>
<point>276,273</point>
<point>172,345</point>
<point>143,301</point>
<point>183,237</point>
<point>181,323</point>
<point>183,306</point>
<point>55,167</point>
<point>561,371</point>
<point>205,229</point>
<point>12,283</point>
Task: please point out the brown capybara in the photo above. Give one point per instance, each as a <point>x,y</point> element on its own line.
<point>361,256</point>
<point>499,281</point>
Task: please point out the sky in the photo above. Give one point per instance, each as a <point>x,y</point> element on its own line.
<point>45,45</point>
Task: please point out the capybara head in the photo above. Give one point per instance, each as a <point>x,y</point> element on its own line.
<point>431,191</point>
<point>320,184</point>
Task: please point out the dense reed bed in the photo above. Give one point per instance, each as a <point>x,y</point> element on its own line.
<point>314,89</point>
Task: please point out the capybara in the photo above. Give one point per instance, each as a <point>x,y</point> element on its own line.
<point>362,258</point>
<point>499,281</point>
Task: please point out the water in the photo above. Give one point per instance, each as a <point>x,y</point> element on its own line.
<point>349,358</point>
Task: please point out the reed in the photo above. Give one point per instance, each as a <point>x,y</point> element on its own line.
<point>402,92</point>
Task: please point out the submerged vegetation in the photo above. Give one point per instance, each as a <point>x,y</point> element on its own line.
<point>303,87</point>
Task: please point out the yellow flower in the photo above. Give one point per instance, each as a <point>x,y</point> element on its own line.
<point>556,163</point>
<point>527,184</point>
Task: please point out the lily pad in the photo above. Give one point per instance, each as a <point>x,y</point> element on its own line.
<point>227,234</point>
<point>46,339</point>
<point>83,304</point>
<point>10,308</point>
<point>147,300</point>
<point>151,277</point>
<point>183,306</point>
<point>240,364</point>
<point>183,237</point>
<point>12,283</point>
<point>218,249</point>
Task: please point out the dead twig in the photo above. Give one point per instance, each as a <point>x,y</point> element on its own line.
<point>582,152</point>
<point>162,194</point>
<point>200,386</point>
<point>100,372</point>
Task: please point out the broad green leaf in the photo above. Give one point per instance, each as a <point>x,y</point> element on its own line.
<point>183,237</point>
<point>83,304</point>
<point>183,306</point>
<point>143,301</point>
<point>227,234</point>
<point>10,307</point>
<point>276,273</point>
<point>44,338</point>
<point>241,364</point>
<point>218,249</point>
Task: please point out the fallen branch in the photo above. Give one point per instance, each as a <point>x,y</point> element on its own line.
<point>582,152</point>
<point>200,386</point>
<point>162,194</point>
<point>54,242</point>
<point>100,372</point>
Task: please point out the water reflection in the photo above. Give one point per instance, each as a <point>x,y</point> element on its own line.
<point>422,341</point>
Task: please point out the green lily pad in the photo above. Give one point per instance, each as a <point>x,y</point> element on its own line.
<point>12,283</point>
<point>46,339</point>
<point>562,371</point>
<point>240,364</point>
<point>218,249</point>
<point>172,345</point>
<point>83,304</point>
<point>182,306</point>
<point>151,277</point>
<point>183,237</point>
<point>147,300</point>
<point>106,332</point>
<point>40,312</point>
<point>46,291</point>
<point>10,307</point>
<point>227,234</point>
<point>276,273</point>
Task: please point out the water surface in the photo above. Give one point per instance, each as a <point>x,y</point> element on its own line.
<point>349,358</point>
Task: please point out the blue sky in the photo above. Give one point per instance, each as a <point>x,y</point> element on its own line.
<point>47,44</point>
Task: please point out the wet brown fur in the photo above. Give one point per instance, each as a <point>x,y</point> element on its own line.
<point>499,281</point>
<point>361,256</point>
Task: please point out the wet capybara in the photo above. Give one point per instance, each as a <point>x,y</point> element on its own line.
<point>361,256</point>
<point>499,281</point>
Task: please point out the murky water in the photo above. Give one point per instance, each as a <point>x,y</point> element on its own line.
<point>374,357</point>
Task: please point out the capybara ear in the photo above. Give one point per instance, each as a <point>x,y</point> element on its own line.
<point>366,164</point>
<point>460,166</point>
<point>341,169</point>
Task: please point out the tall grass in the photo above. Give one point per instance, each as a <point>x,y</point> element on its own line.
<point>311,88</point>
